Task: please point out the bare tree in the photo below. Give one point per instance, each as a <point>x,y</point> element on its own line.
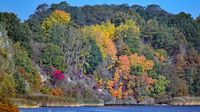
<point>76,49</point>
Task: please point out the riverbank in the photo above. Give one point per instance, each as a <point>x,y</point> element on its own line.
<point>184,101</point>
<point>61,105</point>
<point>47,101</point>
<point>53,101</point>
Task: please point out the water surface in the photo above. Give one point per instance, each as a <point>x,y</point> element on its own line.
<point>117,109</point>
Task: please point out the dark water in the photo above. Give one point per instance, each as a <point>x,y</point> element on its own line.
<point>117,109</point>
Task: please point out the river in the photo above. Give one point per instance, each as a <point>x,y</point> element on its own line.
<point>117,109</point>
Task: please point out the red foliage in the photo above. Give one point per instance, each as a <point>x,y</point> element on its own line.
<point>58,74</point>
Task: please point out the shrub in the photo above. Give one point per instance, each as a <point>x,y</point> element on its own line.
<point>56,91</point>
<point>7,107</point>
<point>57,74</point>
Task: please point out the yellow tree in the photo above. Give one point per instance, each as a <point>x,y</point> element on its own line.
<point>56,17</point>
<point>103,35</point>
<point>136,60</point>
<point>129,26</point>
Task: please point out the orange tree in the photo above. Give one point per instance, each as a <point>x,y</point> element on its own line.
<point>125,83</point>
<point>118,84</point>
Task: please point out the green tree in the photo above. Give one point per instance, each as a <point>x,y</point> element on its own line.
<point>196,87</point>
<point>197,39</point>
<point>150,30</point>
<point>35,21</point>
<point>25,71</point>
<point>17,31</point>
<point>129,32</point>
<point>20,83</point>
<point>57,35</point>
<point>184,22</point>
<point>7,85</point>
<point>160,85</point>
<point>164,39</point>
<point>52,56</point>
<point>7,88</point>
<point>94,58</point>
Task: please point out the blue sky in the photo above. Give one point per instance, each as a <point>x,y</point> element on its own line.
<point>23,8</point>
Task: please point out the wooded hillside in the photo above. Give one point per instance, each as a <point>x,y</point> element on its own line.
<point>101,52</point>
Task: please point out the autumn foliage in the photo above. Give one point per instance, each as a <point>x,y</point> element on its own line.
<point>56,91</point>
<point>99,52</point>
<point>57,74</point>
<point>56,17</point>
<point>103,35</point>
<point>119,88</point>
<point>6,107</point>
<point>136,60</point>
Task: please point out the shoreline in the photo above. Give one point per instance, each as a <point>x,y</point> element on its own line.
<point>97,105</point>
<point>176,101</point>
<point>68,105</point>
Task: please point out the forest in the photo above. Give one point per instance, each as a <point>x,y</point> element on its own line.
<point>114,54</point>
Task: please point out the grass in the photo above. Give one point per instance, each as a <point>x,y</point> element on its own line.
<point>185,101</point>
<point>46,100</point>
